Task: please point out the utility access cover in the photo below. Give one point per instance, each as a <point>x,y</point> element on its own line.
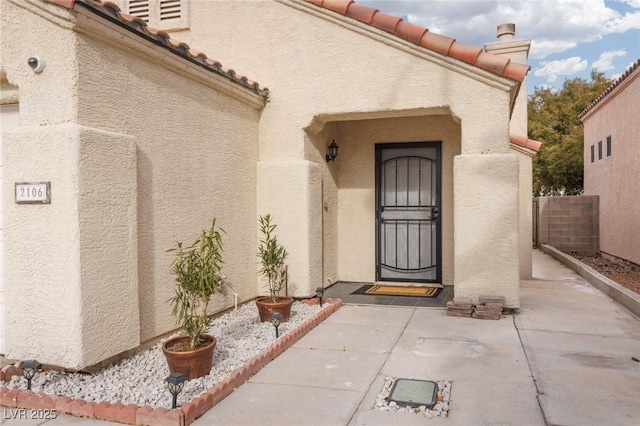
<point>414,393</point>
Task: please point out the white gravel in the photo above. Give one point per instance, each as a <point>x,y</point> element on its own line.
<point>140,379</point>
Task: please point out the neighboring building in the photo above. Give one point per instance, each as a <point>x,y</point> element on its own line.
<point>612,164</point>
<point>144,140</point>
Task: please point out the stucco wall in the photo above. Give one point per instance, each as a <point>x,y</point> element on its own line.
<point>486,235</point>
<point>196,159</point>
<point>323,68</point>
<point>9,120</point>
<point>355,169</point>
<point>42,242</point>
<point>518,51</point>
<point>615,178</point>
<point>140,151</point>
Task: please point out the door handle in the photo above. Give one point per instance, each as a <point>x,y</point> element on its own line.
<point>434,213</point>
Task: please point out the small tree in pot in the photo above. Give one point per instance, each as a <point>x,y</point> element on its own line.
<point>197,271</point>
<point>274,269</point>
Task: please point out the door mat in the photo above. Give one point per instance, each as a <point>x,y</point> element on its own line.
<point>393,290</point>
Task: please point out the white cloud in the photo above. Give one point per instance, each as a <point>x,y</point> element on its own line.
<point>554,26</point>
<point>605,61</point>
<point>632,3</point>
<point>553,69</point>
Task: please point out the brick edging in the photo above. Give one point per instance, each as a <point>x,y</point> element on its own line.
<point>185,415</point>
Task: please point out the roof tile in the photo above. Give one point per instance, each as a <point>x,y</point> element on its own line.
<point>385,22</point>
<point>437,43</point>
<point>361,13</point>
<point>411,33</point>
<point>464,52</point>
<point>137,25</point>
<point>339,6</point>
<point>494,63</point>
<point>516,71</point>
<point>525,142</point>
<point>619,80</point>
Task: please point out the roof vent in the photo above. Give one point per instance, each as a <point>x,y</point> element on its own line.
<point>506,32</point>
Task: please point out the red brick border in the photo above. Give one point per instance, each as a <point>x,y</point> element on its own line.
<point>183,416</point>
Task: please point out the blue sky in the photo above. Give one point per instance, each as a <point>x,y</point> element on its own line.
<point>569,37</point>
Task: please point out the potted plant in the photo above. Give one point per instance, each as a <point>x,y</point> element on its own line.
<point>197,271</point>
<point>274,270</point>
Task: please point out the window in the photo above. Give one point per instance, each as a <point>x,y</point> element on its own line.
<point>600,150</point>
<point>160,14</point>
<point>593,153</point>
<point>608,146</point>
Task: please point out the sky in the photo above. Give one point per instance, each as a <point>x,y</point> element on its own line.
<point>568,38</point>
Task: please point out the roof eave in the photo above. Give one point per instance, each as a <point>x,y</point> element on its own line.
<point>253,92</point>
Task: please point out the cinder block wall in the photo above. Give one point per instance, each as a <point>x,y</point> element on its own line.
<point>569,223</point>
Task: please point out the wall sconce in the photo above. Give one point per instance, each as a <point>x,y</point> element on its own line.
<point>175,383</point>
<point>332,151</point>
<point>29,369</point>
<point>275,320</point>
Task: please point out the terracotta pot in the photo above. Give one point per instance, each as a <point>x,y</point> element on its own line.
<point>192,364</point>
<point>266,308</point>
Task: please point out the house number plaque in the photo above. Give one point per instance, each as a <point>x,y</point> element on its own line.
<point>33,192</point>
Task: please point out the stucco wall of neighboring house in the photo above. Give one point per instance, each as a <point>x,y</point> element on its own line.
<point>322,69</point>
<point>615,178</point>
<point>141,150</point>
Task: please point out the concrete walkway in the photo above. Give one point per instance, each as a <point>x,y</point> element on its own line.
<point>564,359</point>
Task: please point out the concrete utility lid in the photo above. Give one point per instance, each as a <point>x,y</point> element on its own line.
<point>414,393</point>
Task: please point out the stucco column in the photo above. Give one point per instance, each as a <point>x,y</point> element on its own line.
<point>486,226</point>
<point>292,192</point>
<point>71,265</point>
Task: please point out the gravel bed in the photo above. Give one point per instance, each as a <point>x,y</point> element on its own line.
<point>140,379</point>
<point>625,275</point>
<point>440,409</point>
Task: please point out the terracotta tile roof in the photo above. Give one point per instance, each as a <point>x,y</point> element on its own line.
<point>112,12</point>
<point>525,142</point>
<point>623,77</point>
<point>419,36</point>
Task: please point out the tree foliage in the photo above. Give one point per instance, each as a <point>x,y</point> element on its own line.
<point>553,120</point>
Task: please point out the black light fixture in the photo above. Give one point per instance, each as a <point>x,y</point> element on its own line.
<point>320,293</point>
<point>175,383</point>
<point>332,151</point>
<point>29,368</point>
<point>275,320</point>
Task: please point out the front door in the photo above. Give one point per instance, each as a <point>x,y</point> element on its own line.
<point>408,231</point>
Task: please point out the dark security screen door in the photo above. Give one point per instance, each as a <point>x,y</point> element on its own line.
<point>408,212</point>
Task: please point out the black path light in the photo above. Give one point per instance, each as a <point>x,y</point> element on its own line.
<point>29,368</point>
<point>332,151</point>
<point>275,320</point>
<point>175,383</point>
<point>320,293</point>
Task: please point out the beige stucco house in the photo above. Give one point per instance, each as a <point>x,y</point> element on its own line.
<point>611,162</point>
<point>142,140</point>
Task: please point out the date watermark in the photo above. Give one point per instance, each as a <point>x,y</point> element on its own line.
<point>27,414</point>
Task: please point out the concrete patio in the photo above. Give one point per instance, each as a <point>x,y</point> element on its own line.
<point>566,358</point>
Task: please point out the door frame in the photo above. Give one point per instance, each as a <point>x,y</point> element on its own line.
<point>379,147</point>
